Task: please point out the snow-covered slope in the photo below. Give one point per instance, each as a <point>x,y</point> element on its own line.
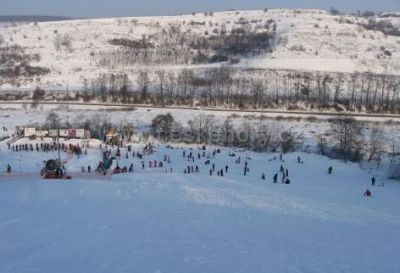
<point>151,221</point>
<point>310,40</point>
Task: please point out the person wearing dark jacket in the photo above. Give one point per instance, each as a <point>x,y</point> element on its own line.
<point>275,178</point>
<point>367,193</point>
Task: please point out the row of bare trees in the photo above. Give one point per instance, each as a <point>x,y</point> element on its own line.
<point>238,88</point>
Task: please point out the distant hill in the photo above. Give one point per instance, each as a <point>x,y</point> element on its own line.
<point>32,18</point>
<point>314,43</point>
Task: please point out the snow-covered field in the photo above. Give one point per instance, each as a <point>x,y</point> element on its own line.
<point>157,221</point>
<point>164,220</point>
<point>308,40</point>
<point>152,221</point>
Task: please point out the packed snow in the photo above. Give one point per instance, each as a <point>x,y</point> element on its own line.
<point>162,220</point>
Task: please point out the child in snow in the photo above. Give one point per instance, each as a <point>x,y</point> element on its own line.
<point>367,193</point>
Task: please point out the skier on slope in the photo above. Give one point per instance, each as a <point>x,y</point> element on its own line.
<point>330,169</point>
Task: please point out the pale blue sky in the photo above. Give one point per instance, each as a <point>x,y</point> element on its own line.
<point>112,8</point>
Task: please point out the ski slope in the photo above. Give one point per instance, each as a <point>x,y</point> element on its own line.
<point>152,221</point>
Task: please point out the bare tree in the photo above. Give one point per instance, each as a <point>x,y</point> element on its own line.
<point>161,78</point>
<point>143,81</point>
<point>346,133</point>
<point>53,120</point>
<point>201,127</point>
<point>162,125</point>
<point>374,144</point>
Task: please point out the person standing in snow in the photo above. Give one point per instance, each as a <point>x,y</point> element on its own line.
<point>226,169</point>
<point>8,168</point>
<point>262,176</point>
<point>275,178</point>
<point>330,169</point>
<point>373,181</point>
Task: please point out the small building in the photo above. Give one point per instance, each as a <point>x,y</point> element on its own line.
<point>113,137</point>
<point>63,133</point>
<point>29,132</point>
<point>53,133</point>
<point>42,133</point>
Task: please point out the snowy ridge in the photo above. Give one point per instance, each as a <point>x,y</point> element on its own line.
<point>307,40</point>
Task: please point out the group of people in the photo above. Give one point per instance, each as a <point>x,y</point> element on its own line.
<point>283,171</point>
<point>125,169</point>
<point>46,147</point>
<point>373,184</point>
<point>111,153</point>
<point>149,149</point>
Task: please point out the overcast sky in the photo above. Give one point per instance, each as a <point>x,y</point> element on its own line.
<point>114,8</point>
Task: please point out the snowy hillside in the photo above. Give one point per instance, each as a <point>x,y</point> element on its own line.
<point>68,53</point>
<point>151,221</point>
